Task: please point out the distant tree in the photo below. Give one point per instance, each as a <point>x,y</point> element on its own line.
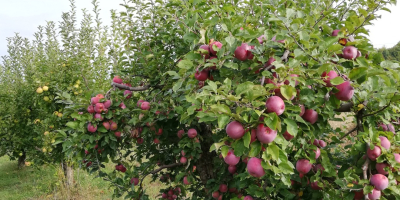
<point>391,53</point>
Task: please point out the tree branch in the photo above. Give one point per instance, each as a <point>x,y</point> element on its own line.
<point>374,113</point>
<point>348,133</point>
<point>142,88</point>
<point>362,24</point>
<point>365,168</point>
<point>346,107</point>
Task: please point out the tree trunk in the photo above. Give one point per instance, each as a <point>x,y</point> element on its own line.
<point>21,160</point>
<point>68,174</point>
<point>205,164</point>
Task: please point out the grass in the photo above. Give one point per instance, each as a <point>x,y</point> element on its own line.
<point>31,183</point>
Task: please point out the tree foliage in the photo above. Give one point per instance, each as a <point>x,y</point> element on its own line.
<point>392,53</point>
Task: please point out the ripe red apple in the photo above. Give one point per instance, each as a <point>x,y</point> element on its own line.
<point>310,116</point>
<point>322,143</point>
<point>380,167</point>
<point>201,75</point>
<point>318,167</point>
<point>232,169</point>
<point>134,181</point>
<point>265,134</point>
<point>248,198</point>
<point>215,194</point>
<point>287,136</point>
<point>385,143</point>
<point>231,159</point>
<point>253,135</point>
<point>223,188</point>
<point>335,32</point>
<point>374,153</point>
<point>359,54</point>
<point>94,100</point>
<point>122,105</point>
<point>139,103</point>
<point>183,160</point>
<point>113,126</point>
<point>117,134</point>
<point>254,167</point>
<point>90,109</point>
<point>302,110</point>
<point>241,52</point>
<point>358,195</point>
<point>346,91</point>
<point>185,180</point>
<point>380,181</point>
<point>107,104</point>
<point>99,107</point>
<point>106,125</point>
<point>192,133</point>
<point>117,79</point>
<point>261,39</point>
<point>139,140</point>
<point>314,186</point>
<point>287,82</point>
<point>327,77</point>
<point>160,131</point>
<point>145,105</point>
<point>127,94</point>
<point>317,153</point>
<point>216,44</point>
<point>250,54</point>
<point>397,157</point>
<point>303,166</point>
<point>98,116</point>
<point>180,133</point>
<point>269,62</point>
<point>349,52</point>
<point>387,127</point>
<point>91,128</point>
<point>206,52</point>
<point>375,194</point>
<point>235,130</point>
<point>156,141</point>
<point>275,104</point>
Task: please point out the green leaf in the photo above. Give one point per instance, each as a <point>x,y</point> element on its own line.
<point>73,125</point>
<point>216,146</point>
<point>185,64</point>
<point>291,126</point>
<point>247,139</point>
<point>239,147</point>
<point>288,91</point>
<point>255,149</point>
<point>230,40</point>
<point>357,73</point>
<point>177,85</point>
<point>213,86</point>
<point>337,81</point>
<point>231,65</point>
<point>223,120</point>
<point>273,151</point>
<point>221,108</point>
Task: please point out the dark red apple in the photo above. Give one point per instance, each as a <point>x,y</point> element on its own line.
<point>275,104</point>
<point>265,134</point>
<point>185,180</point>
<point>231,159</point>
<point>117,134</point>
<point>241,52</point>
<point>327,77</point>
<point>303,166</point>
<point>180,133</point>
<point>314,186</point>
<point>380,167</point>
<point>287,136</point>
<point>201,75</point>
<point>254,167</point>
<point>310,116</point>
<point>235,130</point>
<point>223,188</point>
<point>232,169</point>
<point>117,79</point>
<point>349,52</point>
<point>215,194</point>
<point>346,91</point>
<point>127,94</point>
<point>302,110</point>
<point>134,181</point>
<point>140,102</point>
<point>335,32</point>
<point>145,105</point>
<point>90,109</point>
<point>205,51</point>
<point>91,128</point>
<point>253,135</point>
<point>250,54</point>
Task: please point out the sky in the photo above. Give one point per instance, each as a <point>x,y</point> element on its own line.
<point>24,16</point>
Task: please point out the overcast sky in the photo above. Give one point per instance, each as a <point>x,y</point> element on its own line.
<point>24,16</point>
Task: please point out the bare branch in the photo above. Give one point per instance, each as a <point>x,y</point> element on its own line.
<point>374,113</point>
<point>365,168</point>
<point>345,107</point>
<point>348,133</point>
<point>142,88</point>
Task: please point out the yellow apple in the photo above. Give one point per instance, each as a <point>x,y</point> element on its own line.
<point>45,88</point>
<point>55,113</point>
<point>52,141</point>
<point>78,82</point>
<point>39,90</point>
<point>46,133</point>
<point>60,115</point>
<point>76,86</point>
<point>44,150</point>
<point>46,98</point>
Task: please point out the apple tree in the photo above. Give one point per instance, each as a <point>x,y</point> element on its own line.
<point>231,99</point>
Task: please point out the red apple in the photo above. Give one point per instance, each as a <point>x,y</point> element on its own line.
<point>94,100</point>
<point>374,153</point>
<point>183,160</point>
<point>205,51</point>
<point>90,109</point>
<point>397,157</point>
<point>192,133</point>
<point>235,130</point>
<point>335,32</point>
<point>185,180</point>
<point>117,79</point>
<point>113,126</point>
<point>106,125</point>
<point>303,166</point>
<point>107,104</point>
<point>287,136</point>
<point>387,127</point>
<point>261,39</point>
<point>349,52</point>
<point>232,169</point>
<point>375,194</point>
<point>327,77</point>
<point>248,198</point>
<point>254,167</point>
<point>253,135</point>
<point>241,52</point>
<point>346,91</point>
<point>134,181</point>
<point>275,104</point>
<point>140,140</point>
<point>180,133</point>
<point>160,131</point>
<point>91,128</point>
<point>127,94</point>
<point>317,153</point>
<point>145,105</point>
<point>117,134</point>
<point>314,186</point>
<point>202,75</point>
<point>122,105</point>
<point>213,45</point>
<point>139,103</point>
<point>265,134</point>
<point>156,141</point>
<point>380,167</point>
<point>322,143</point>
<point>287,82</point>
<point>231,159</point>
<point>250,54</point>
<point>380,181</point>
<point>318,167</point>
<point>98,116</point>
<point>310,116</point>
<point>215,194</point>
<point>302,110</point>
<point>99,107</point>
<point>223,188</point>
<point>385,143</point>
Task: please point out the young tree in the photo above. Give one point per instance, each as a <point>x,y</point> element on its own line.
<point>233,99</point>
